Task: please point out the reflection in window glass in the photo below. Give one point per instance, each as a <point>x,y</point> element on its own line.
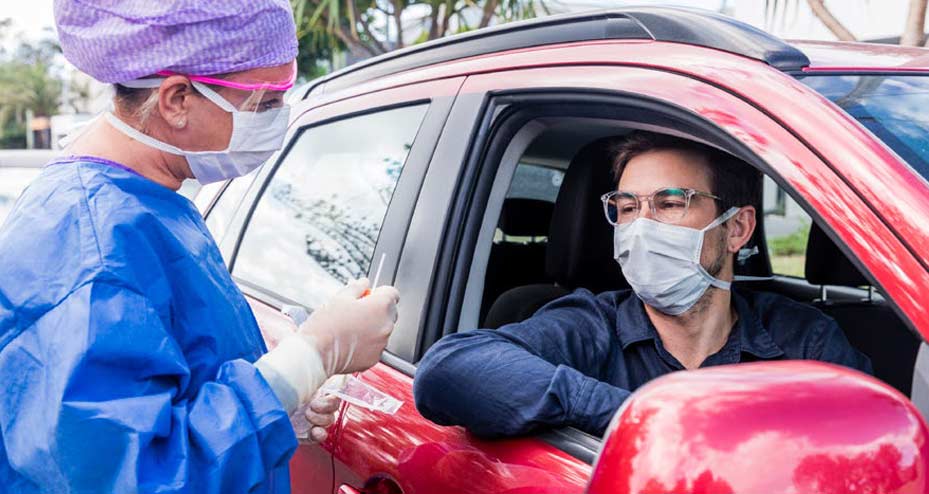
<point>892,107</point>
<point>13,182</point>
<point>316,224</point>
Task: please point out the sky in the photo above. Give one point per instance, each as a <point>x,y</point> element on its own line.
<point>30,18</point>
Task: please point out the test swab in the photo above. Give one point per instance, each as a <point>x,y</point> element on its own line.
<point>377,276</point>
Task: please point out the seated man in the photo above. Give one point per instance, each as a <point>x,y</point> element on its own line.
<point>681,213</point>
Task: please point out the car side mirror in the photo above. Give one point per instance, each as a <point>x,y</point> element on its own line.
<point>772,427</point>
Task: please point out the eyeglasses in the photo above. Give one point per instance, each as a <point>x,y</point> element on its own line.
<point>668,205</point>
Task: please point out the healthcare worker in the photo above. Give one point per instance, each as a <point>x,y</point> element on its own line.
<point>129,359</point>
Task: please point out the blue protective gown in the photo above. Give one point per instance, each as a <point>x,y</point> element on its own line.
<point>126,349</point>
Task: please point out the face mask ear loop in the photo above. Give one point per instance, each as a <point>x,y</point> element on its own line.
<point>139,136</point>
<point>718,283</point>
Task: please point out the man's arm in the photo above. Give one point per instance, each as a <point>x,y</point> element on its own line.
<point>540,372</point>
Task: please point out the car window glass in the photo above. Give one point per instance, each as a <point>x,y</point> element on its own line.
<point>316,224</point>
<point>535,182</point>
<point>532,182</point>
<point>225,208</point>
<point>787,228</point>
<point>12,183</point>
<point>892,107</point>
<point>206,195</point>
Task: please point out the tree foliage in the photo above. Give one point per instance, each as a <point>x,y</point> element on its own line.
<point>28,82</point>
<point>373,27</point>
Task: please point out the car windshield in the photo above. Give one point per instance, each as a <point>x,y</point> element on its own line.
<point>892,107</point>
<point>12,183</point>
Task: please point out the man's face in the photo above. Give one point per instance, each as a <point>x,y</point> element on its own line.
<point>659,169</point>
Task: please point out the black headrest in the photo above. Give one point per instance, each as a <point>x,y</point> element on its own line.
<point>827,265</point>
<point>526,217</point>
<point>580,241</point>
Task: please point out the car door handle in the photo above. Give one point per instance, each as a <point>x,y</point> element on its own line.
<point>347,489</point>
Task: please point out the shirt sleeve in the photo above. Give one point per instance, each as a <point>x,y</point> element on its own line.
<point>99,404</point>
<point>834,347</point>
<point>540,372</point>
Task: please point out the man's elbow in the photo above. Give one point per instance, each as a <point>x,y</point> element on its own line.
<point>448,391</point>
<point>438,383</point>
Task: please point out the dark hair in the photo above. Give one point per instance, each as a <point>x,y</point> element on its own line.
<point>734,181</point>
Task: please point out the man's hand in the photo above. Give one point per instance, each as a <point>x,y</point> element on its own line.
<point>322,413</point>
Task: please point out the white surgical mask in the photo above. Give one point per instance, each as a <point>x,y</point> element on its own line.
<point>256,136</point>
<point>662,262</point>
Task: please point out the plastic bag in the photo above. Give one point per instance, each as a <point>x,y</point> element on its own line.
<point>357,392</point>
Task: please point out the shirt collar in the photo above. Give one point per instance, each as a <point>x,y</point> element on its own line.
<point>633,325</point>
<point>754,337</point>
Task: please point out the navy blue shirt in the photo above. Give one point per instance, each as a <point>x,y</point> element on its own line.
<point>578,358</point>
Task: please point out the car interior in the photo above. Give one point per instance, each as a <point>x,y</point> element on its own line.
<point>544,249</point>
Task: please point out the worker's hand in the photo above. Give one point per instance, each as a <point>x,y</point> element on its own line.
<point>322,413</point>
<point>350,331</point>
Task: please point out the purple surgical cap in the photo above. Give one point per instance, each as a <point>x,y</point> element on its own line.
<point>122,40</point>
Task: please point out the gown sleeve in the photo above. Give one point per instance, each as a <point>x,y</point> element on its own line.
<point>95,400</point>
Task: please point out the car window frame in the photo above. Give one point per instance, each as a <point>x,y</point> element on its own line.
<point>271,296</point>
<point>268,295</point>
<point>439,95</point>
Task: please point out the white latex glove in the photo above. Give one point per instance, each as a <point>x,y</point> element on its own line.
<point>322,413</point>
<point>347,334</point>
<point>350,331</point>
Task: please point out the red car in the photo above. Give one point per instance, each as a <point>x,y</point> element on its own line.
<point>468,164</point>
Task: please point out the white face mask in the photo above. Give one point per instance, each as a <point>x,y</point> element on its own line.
<point>662,262</point>
<point>256,136</point>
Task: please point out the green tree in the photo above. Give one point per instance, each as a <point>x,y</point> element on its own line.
<point>373,27</point>
<point>28,82</point>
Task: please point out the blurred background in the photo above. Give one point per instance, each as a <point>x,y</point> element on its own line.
<point>42,97</point>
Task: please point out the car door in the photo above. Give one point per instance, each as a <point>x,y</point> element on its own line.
<point>406,453</point>
<point>335,198</point>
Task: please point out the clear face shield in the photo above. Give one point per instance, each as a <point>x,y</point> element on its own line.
<point>259,123</point>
